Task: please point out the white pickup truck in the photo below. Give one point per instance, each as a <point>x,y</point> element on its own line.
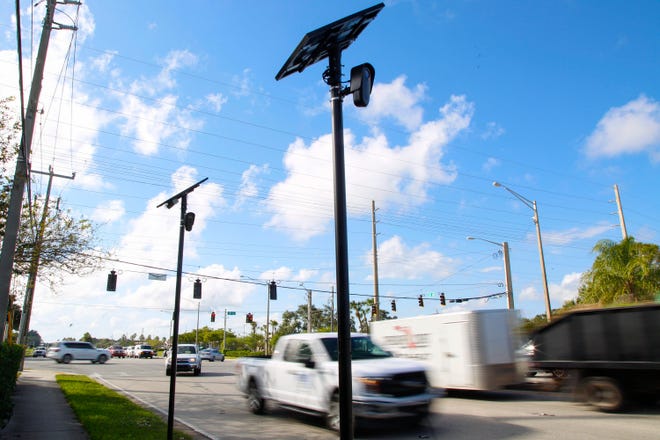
<point>302,375</point>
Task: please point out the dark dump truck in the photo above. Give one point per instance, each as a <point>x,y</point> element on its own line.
<point>609,356</point>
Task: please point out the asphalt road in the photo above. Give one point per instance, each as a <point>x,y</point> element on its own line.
<point>211,404</point>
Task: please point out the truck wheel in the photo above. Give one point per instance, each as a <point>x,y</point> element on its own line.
<point>67,358</point>
<point>256,403</point>
<point>332,417</point>
<point>603,392</point>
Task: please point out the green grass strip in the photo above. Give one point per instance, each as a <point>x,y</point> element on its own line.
<point>106,414</point>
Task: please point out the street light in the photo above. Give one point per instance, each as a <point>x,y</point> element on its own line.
<point>328,42</point>
<point>507,269</point>
<point>186,223</point>
<point>531,204</point>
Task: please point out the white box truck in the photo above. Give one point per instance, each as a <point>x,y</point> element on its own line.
<point>472,350</point>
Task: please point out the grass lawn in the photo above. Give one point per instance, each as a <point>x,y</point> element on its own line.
<point>106,414</point>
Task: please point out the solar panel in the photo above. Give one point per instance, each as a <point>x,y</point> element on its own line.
<point>316,44</point>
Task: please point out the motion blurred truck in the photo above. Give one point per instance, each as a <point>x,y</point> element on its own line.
<point>470,350</point>
<point>610,356</point>
<point>302,375</point>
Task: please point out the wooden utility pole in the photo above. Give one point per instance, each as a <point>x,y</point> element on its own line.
<point>24,326</point>
<point>22,168</point>
<point>375,246</point>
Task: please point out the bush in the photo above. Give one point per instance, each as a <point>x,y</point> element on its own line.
<point>10,362</point>
<point>243,353</point>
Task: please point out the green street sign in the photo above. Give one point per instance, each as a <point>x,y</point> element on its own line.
<point>231,313</point>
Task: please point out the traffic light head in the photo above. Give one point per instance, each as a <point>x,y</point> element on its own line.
<point>197,289</point>
<point>442,299</point>
<point>420,300</point>
<point>393,306</point>
<point>212,316</point>
<point>272,290</point>
<point>112,281</point>
<point>248,318</point>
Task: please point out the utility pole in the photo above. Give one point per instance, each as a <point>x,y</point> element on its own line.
<point>309,310</point>
<point>373,233</point>
<point>332,309</point>
<point>21,173</point>
<point>622,221</point>
<point>24,326</point>
<point>224,333</point>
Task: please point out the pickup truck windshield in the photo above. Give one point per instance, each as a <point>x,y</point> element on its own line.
<point>361,348</point>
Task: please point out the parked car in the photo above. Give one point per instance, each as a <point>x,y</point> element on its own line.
<point>212,354</point>
<point>142,351</point>
<point>39,352</point>
<point>67,351</point>
<point>117,351</point>
<point>187,359</point>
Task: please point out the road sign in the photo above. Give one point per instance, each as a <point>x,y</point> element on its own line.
<point>231,313</point>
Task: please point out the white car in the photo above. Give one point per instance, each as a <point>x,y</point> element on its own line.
<point>187,359</point>
<point>67,351</point>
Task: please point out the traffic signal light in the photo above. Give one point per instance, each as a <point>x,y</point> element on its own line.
<point>393,306</point>
<point>272,290</point>
<point>212,316</point>
<point>248,318</point>
<point>373,310</point>
<point>197,290</point>
<point>442,299</point>
<point>420,300</point>
<point>111,286</point>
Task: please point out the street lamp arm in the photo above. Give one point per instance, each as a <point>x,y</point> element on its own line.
<point>525,200</point>
<point>483,239</point>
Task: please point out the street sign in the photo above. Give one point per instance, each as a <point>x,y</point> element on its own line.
<point>231,313</point>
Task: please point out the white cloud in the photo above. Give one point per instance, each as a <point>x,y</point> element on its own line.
<point>396,260</point>
<point>396,101</point>
<point>109,211</point>
<point>152,119</point>
<point>217,100</point>
<point>491,163</point>
<point>393,175</point>
<point>249,186</point>
<point>529,293</point>
<point>242,83</point>
<point>573,234</point>
<point>493,130</point>
<point>631,128</point>
<point>565,291</point>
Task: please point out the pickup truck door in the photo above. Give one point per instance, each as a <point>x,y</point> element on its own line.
<point>299,382</point>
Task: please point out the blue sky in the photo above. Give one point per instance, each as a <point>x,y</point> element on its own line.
<point>556,100</point>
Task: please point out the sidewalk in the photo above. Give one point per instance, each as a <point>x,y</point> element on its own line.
<point>41,411</point>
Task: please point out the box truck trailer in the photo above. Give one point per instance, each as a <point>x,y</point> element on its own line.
<point>471,350</point>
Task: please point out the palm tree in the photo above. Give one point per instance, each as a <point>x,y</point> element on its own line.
<point>622,272</point>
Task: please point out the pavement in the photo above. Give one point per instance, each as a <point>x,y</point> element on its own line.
<point>41,411</point>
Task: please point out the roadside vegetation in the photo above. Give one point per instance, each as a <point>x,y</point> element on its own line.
<point>106,414</point>
<point>10,361</point>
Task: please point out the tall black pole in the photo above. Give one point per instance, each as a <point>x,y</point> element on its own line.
<point>175,318</point>
<point>341,250</point>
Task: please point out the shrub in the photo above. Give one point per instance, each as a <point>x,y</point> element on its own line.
<point>10,362</point>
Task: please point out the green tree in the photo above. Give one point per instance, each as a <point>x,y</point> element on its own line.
<point>363,314</point>
<point>624,272</point>
<point>87,337</point>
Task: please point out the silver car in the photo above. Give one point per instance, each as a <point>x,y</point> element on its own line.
<point>67,351</point>
<point>212,354</point>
